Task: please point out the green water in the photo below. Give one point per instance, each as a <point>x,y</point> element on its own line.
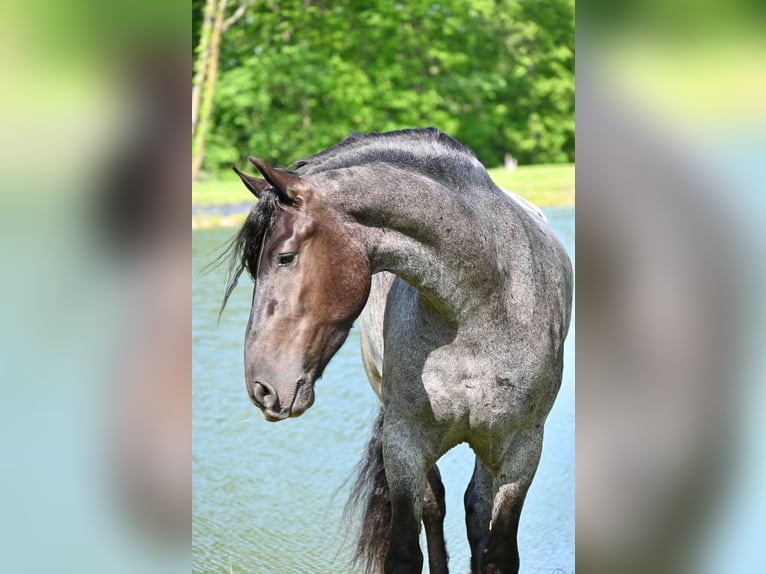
<point>268,497</point>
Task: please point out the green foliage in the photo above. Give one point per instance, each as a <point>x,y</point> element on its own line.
<point>297,76</point>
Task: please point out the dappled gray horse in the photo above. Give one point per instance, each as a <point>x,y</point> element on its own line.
<point>464,294</point>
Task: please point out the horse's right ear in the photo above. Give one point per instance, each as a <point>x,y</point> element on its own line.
<point>287,184</point>
<point>256,185</point>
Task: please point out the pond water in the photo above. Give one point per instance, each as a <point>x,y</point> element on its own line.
<point>267,498</point>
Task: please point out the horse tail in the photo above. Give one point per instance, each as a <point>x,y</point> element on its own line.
<point>370,505</point>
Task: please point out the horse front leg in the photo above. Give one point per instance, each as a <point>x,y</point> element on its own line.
<point>434,510</point>
<point>405,465</point>
<point>478,512</point>
<point>517,469</point>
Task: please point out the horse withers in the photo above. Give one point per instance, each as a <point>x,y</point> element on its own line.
<point>463,296</point>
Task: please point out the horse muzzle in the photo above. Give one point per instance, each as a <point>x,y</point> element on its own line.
<point>279,404</point>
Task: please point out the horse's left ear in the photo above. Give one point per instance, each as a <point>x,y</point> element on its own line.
<point>256,185</point>
<point>287,184</point>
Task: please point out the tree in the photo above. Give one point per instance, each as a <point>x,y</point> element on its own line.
<point>297,76</point>
<point>214,24</point>
<point>202,60</point>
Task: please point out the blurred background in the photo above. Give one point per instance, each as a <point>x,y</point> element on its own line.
<point>671,145</point>
<point>95,315</point>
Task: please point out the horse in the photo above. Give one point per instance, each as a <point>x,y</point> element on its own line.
<point>463,296</point>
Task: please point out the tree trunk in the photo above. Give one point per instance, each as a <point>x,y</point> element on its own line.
<point>203,55</point>
<point>208,89</point>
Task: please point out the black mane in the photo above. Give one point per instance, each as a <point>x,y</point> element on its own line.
<point>244,250</point>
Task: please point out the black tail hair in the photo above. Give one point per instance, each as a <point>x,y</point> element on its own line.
<point>370,506</point>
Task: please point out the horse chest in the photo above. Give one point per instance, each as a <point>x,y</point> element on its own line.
<point>470,379</point>
<point>457,387</point>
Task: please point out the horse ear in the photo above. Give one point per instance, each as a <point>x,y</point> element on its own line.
<point>285,182</point>
<point>256,185</point>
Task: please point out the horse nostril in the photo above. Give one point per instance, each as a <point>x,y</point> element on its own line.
<point>264,395</point>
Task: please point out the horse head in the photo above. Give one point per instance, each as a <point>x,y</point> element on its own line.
<point>312,280</point>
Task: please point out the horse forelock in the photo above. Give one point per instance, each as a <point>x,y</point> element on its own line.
<point>244,250</point>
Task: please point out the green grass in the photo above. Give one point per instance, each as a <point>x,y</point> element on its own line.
<point>544,185</point>
<point>226,192</point>
<point>212,221</point>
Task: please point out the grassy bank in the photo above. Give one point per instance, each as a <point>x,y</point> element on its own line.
<point>543,185</point>
<point>550,185</point>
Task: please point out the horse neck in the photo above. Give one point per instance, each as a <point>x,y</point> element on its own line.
<point>429,234</point>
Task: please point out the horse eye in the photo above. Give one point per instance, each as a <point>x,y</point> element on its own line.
<point>286,259</point>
